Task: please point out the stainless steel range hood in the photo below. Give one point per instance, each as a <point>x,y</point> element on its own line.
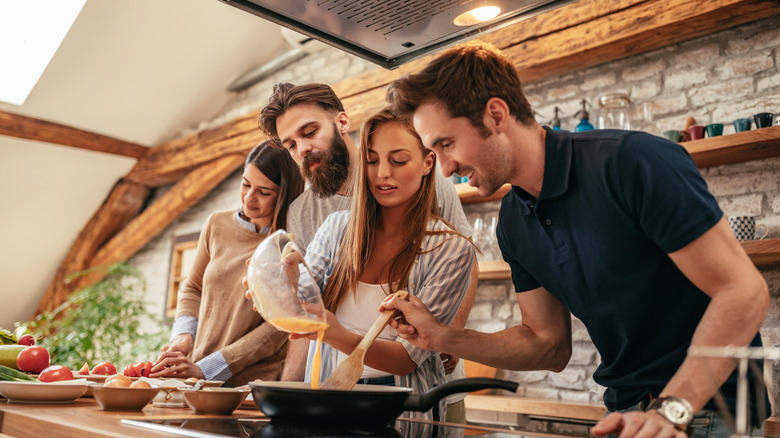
<point>390,32</point>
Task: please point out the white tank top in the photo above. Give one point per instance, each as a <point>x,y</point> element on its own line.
<point>358,312</point>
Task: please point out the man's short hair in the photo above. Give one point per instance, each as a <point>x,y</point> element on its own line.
<point>462,80</point>
<point>286,96</point>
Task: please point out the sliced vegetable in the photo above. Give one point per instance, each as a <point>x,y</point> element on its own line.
<point>84,371</point>
<point>7,373</point>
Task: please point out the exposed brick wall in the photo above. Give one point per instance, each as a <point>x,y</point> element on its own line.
<point>718,78</point>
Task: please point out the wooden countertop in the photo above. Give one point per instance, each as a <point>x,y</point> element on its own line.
<point>85,418</point>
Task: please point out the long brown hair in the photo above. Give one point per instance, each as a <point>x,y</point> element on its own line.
<point>276,164</point>
<point>358,239</point>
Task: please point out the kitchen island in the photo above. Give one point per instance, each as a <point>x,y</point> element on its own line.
<point>85,418</point>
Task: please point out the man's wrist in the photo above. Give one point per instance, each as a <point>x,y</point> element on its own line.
<point>675,410</point>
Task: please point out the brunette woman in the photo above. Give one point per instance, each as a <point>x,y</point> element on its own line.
<point>216,335</point>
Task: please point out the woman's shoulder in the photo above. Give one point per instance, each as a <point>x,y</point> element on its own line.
<point>442,234</point>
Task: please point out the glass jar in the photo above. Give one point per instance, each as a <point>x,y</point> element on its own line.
<point>614,109</point>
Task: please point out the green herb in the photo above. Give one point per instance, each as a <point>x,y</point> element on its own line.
<point>7,337</point>
<point>108,321</point>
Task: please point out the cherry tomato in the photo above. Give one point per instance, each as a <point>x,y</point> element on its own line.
<point>33,359</point>
<point>56,373</point>
<point>104,369</point>
<point>84,369</point>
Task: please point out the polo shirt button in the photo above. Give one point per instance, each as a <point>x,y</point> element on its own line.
<point>547,221</point>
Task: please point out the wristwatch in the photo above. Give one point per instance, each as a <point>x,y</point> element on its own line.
<point>676,410</point>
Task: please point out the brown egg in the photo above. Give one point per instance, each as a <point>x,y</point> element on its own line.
<point>118,380</point>
<point>140,384</point>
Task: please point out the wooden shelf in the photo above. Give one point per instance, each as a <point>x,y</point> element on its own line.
<point>762,252</point>
<point>745,146</point>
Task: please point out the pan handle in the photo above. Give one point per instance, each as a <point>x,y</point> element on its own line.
<point>424,402</point>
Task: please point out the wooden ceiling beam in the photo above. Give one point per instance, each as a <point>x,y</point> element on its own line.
<point>120,207</point>
<point>29,128</point>
<point>154,218</point>
<point>166,163</point>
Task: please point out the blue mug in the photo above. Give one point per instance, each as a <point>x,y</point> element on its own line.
<point>741,125</point>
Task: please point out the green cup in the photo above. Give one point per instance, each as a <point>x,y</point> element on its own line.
<point>672,135</point>
<point>741,125</point>
<point>714,129</point>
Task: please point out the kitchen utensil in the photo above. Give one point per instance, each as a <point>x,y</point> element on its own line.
<point>364,404</point>
<point>273,278</point>
<point>349,371</point>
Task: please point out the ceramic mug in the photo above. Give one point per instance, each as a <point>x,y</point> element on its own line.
<point>744,228</point>
<point>696,132</point>
<point>714,129</point>
<point>763,120</point>
<point>741,125</point>
<point>673,135</point>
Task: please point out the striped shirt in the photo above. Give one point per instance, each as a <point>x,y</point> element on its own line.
<point>439,278</point>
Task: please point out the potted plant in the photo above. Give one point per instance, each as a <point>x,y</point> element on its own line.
<point>104,322</point>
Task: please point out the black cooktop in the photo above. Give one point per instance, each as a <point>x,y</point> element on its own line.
<point>262,427</point>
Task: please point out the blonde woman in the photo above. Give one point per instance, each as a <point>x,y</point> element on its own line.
<point>391,239</point>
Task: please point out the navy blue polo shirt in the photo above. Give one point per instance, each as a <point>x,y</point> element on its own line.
<point>613,204</point>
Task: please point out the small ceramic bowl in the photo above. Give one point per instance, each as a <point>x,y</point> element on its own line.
<point>215,401</point>
<point>171,389</point>
<point>114,398</point>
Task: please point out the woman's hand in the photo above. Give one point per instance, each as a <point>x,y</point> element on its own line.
<point>175,364</point>
<point>181,343</point>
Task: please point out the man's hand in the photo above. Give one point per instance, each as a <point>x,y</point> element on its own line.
<point>417,324</point>
<point>637,423</point>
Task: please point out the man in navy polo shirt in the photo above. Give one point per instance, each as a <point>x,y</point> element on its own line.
<point>615,227</point>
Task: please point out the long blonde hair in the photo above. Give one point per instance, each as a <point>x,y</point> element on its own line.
<point>357,243</point>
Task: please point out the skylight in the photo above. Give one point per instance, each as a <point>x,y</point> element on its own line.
<point>30,33</point>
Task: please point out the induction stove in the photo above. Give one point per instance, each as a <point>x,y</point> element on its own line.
<point>254,427</point>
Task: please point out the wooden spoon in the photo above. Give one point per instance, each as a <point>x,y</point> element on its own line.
<point>349,371</point>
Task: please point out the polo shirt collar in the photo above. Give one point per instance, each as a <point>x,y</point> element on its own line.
<point>557,166</point>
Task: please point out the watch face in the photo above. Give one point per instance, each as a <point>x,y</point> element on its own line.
<point>677,412</point>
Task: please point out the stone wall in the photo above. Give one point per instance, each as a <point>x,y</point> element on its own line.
<point>718,78</point>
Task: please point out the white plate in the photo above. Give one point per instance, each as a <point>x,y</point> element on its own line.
<point>39,392</point>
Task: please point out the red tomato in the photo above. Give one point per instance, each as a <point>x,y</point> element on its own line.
<point>139,369</point>
<point>104,369</point>
<point>84,369</point>
<point>147,369</point>
<point>33,359</point>
<point>56,373</point>
<point>129,371</point>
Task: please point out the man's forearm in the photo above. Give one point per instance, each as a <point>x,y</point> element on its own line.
<point>727,321</point>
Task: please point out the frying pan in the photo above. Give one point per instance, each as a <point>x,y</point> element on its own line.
<point>363,405</point>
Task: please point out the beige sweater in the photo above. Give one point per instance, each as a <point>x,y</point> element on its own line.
<point>213,294</point>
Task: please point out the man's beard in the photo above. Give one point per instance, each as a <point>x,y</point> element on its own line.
<point>333,170</point>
